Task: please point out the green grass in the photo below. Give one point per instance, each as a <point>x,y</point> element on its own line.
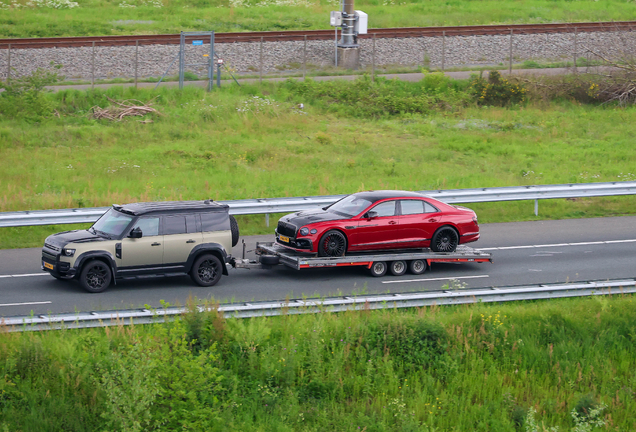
<point>93,17</point>
<point>252,142</point>
<point>478,367</point>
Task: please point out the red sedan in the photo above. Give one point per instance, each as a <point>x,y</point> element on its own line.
<point>377,220</point>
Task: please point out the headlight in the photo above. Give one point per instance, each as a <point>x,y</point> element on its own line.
<point>68,252</point>
<point>304,231</point>
<point>313,231</point>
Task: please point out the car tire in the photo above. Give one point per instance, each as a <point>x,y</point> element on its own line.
<point>269,260</point>
<point>206,270</point>
<point>445,240</point>
<point>378,268</point>
<point>235,230</point>
<point>332,244</point>
<point>397,268</point>
<point>95,276</point>
<point>417,267</point>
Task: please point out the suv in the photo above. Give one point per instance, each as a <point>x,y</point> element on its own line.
<point>145,239</point>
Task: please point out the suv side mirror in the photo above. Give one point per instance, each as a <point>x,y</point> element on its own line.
<point>135,233</point>
<point>371,214</point>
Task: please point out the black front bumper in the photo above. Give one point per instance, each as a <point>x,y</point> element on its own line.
<point>51,263</point>
<point>294,243</point>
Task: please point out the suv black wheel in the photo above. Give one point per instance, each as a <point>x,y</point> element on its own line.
<point>333,244</point>
<point>235,230</point>
<point>206,270</point>
<point>95,276</point>
<point>445,240</point>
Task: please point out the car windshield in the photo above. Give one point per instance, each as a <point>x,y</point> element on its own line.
<point>112,223</point>
<point>350,205</point>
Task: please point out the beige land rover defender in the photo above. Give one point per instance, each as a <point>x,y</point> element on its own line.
<point>145,239</point>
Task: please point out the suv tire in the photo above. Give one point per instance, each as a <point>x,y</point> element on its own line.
<point>235,230</point>
<point>206,270</point>
<point>95,276</point>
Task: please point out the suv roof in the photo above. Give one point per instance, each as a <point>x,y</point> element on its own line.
<point>137,209</point>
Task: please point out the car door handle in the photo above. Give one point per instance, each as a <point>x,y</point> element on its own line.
<point>191,241</point>
<point>156,244</point>
<point>392,223</point>
<point>432,220</point>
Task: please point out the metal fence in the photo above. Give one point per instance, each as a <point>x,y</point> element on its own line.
<point>336,304</point>
<point>300,57</point>
<point>281,205</point>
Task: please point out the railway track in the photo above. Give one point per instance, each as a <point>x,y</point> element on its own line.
<point>298,35</point>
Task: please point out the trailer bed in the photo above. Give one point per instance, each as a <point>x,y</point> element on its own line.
<point>299,260</point>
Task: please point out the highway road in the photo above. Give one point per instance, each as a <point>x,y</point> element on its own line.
<point>524,253</point>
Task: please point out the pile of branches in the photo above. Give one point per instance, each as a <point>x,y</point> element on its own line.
<point>128,108</point>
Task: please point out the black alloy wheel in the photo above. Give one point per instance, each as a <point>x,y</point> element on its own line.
<point>95,276</point>
<point>206,270</point>
<point>445,240</point>
<point>417,267</point>
<point>332,244</point>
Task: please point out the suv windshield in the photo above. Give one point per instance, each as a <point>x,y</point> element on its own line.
<point>112,224</point>
<point>350,205</point>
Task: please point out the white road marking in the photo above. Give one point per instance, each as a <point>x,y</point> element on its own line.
<point>435,279</point>
<point>25,275</point>
<point>557,245</point>
<point>25,304</point>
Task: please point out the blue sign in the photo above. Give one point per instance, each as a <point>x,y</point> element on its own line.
<point>200,42</point>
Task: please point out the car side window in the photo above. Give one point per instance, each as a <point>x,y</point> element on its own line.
<point>386,208</point>
<point>174,225</point>
<point>149,226</point>
<point>429,208</point>
<point>410,207</point>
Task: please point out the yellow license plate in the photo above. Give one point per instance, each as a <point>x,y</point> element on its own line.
<point>48,266</point>
<point>283,238</point>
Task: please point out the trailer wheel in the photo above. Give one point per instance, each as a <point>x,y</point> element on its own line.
<point>417,267</point>
<point>397,268</point>
<point>269,260</point>
<point>378,269</point>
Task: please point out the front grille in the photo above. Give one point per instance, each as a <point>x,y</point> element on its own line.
<point>286,229</point>
<point>49,257</point>
<point>50,246</point>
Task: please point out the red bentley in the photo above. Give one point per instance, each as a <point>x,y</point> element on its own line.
<point>375,220</point>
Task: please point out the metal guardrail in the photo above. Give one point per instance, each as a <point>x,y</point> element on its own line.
<point>282,205</point>
<point>336,304</point>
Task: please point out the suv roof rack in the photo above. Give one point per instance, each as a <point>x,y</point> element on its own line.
<point>171,206</point>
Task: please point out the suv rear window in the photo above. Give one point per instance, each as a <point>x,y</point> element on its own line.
<point>214,222</point>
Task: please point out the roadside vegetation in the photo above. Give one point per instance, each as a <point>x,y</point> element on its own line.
<point>565,365</point>
<point>49,18</point>
<point>311,138</point>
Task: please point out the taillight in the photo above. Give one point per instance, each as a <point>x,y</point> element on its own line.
<point>475,219</point>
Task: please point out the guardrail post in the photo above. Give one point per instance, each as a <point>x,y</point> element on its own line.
<point>536,207</point>
<point>267,220</point>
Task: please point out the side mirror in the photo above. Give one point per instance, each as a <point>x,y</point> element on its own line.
<point>371,214</point>
<point>135,233</point>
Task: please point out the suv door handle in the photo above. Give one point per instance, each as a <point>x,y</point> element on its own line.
<point>392,223</point>
<point>191,241</point>
<point>156,244</point>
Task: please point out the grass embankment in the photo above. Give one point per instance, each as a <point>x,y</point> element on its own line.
<point>522,366</point>
<point>39,18</point>
<point>253,142</point>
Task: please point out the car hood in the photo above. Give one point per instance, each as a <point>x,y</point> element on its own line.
<point>307,217</point>
<point>79,236</point>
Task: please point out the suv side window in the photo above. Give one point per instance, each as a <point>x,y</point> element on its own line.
<point>212,221</point>
<point>174,225</point>
<point>149,226</point>
<point>385,209</point>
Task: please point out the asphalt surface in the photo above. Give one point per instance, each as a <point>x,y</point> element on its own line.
<point>524,253</point>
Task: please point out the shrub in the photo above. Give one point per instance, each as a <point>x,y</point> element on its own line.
<point>25,97</point>
<point>497,91</point>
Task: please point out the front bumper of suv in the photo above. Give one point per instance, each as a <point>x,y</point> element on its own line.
<point>52,263</point>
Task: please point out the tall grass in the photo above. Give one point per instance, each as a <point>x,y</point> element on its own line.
<point>22,18</point>
<point>477,367</point>
<point>254,141</point>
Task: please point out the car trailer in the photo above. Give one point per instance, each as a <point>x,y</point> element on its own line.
<point>379,263</point>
